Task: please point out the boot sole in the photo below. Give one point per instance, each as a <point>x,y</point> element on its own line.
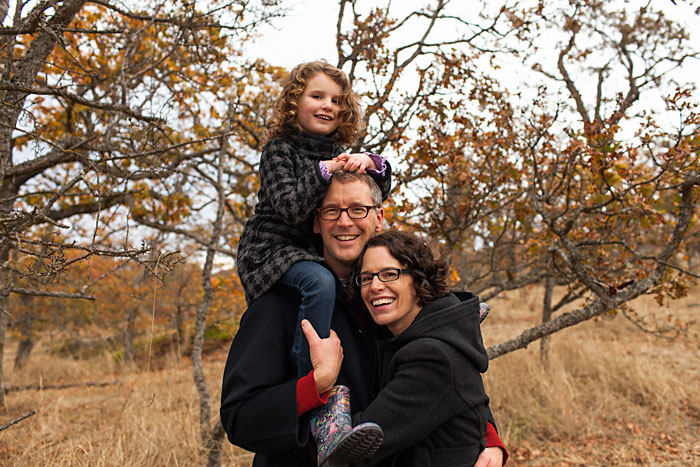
<point>362,443</point>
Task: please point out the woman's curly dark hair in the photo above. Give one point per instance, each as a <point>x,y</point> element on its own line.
<point>285,112</point>
<point>429,273</point>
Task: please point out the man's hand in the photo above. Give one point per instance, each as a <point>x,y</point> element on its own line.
<point>490,457</point>
<point>326,357</point>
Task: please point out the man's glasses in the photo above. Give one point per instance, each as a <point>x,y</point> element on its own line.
<point>354,212</point>
<point>386,275</point>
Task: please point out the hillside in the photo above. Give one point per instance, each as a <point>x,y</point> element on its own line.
<point>610,395</point>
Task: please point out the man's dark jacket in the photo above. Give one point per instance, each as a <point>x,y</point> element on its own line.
<point>258,396</point>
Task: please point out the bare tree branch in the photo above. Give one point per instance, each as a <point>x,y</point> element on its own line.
<point>14,422</point>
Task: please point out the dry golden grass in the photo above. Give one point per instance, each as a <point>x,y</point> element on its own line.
<point>143,419</point>
<point>610,395</point>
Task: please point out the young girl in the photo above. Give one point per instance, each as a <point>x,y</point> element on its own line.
<point>316,113</point>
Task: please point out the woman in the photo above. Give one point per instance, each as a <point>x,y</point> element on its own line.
<point>432,404</point>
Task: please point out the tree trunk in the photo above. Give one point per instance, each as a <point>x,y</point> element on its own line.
<point>24,349</point>
<point>546,316</point>
<point>210,438</point>
<point>26,343</point>
<point>23,72</point>
<point>694,254</point>
<point>180,327</point>
<point>3,332</point>
<point>4,314</point>
<point>129,335</point>
<point>216,439</point>
<point>197,369</point>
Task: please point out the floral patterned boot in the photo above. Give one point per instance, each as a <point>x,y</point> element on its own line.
<point>339,443</point>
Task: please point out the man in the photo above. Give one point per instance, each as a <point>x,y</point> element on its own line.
<point>264,406</point>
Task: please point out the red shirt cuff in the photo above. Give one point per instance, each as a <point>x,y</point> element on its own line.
<point>307,395</point>
<point>494,441</point>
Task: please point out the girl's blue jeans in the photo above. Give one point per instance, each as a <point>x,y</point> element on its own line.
<point>317,287</point>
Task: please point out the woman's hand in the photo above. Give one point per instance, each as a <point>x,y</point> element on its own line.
<point>326,357</point>
<point>490,457</point>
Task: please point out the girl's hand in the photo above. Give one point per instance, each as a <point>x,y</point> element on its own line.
<point>356,162</point>
<point>326,357</point>
<point>334,165</point>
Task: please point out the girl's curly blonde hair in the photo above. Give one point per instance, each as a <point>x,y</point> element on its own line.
<point>285,111</point>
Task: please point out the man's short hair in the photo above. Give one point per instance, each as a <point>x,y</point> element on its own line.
<point>342,176</point>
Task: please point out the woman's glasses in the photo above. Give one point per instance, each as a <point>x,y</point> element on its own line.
<point>386,275</point>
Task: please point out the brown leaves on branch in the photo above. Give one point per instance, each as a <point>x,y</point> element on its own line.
<point>122,114</point>
<point>522,145</point>
<point>517,178</point>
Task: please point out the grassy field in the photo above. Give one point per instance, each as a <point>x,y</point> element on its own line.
<point>610,395</point>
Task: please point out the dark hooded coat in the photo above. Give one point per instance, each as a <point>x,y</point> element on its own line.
<point>432,405</point>
<point>259,390</point>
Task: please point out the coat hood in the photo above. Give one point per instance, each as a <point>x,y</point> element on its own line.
<point>453,319</point>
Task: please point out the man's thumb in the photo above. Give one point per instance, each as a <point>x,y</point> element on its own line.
<point>309,331</point>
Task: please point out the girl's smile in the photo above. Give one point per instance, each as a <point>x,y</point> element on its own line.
<point>318,105</point>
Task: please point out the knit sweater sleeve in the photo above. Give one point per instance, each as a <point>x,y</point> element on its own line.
<point>292,185</point>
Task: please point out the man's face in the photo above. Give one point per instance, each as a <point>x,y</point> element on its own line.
<point>344,238</point>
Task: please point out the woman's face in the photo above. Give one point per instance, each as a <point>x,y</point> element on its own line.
<point>391,304</point>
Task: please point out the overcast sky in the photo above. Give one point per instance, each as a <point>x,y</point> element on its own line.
<point>308,32</point>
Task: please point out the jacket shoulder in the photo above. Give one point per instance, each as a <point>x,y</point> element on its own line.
<point>425,348</point>
<point>277,299</point>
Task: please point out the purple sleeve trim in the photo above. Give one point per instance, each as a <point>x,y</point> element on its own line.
<point>324,170</point>
<point>379,161</point>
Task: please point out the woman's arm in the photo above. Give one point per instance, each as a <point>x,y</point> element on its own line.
<point>490,457</point>
<point>420,389</point>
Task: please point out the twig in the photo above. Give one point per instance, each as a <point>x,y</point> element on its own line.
<point>39,387</point>
<point>48,293</point>
<point>9,424</point>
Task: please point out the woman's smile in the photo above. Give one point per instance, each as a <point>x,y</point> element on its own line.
<point>393,303</point>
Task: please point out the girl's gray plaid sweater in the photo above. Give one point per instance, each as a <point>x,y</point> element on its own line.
<point>280,232</point>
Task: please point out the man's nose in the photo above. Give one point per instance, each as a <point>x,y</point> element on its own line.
<point>344,218</point>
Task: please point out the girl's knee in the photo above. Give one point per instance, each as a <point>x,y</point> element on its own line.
<point>325,279</point>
